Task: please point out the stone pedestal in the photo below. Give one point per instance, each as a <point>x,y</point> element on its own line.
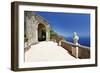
<point>75,48</point>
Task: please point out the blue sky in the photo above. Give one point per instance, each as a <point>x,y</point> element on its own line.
<point>67,23</point>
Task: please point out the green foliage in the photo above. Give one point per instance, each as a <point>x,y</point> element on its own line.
<point>44,31</point>
<point>52,33</point>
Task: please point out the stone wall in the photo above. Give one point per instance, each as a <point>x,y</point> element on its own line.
<point>31,28</point>
<point>31,22</point>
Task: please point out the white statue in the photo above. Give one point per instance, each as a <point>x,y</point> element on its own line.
<point>75,38</point>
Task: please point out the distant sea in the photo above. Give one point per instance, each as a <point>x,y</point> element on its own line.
<point>85,41</point>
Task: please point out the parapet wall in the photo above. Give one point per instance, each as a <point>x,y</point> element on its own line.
<point>83,51</point>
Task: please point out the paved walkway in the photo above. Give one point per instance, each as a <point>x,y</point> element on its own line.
<point>47,51</point>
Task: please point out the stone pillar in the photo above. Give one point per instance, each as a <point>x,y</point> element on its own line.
<point>36,34</point>
<point>47,33</point>
<point>75,49</point>
<point>59,44</point>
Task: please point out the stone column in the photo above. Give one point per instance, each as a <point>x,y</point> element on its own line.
<point>59,44</point>
<point>36,31</point>
<point>75,49</point>
<point>47,33</point>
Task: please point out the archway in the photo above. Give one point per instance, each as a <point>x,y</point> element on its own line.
<point>41,32</point>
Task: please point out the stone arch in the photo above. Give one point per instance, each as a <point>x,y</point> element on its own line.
<point>46,31</point>
<point>32,21</point>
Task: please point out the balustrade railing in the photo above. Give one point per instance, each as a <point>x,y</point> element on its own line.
<point>78,51</point>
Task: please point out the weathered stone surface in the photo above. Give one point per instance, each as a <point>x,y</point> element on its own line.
<point>31,23</point>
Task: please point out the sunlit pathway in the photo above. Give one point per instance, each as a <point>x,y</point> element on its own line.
<point>47,51</point>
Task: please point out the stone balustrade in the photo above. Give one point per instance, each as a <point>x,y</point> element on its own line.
<point>83,51</point>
